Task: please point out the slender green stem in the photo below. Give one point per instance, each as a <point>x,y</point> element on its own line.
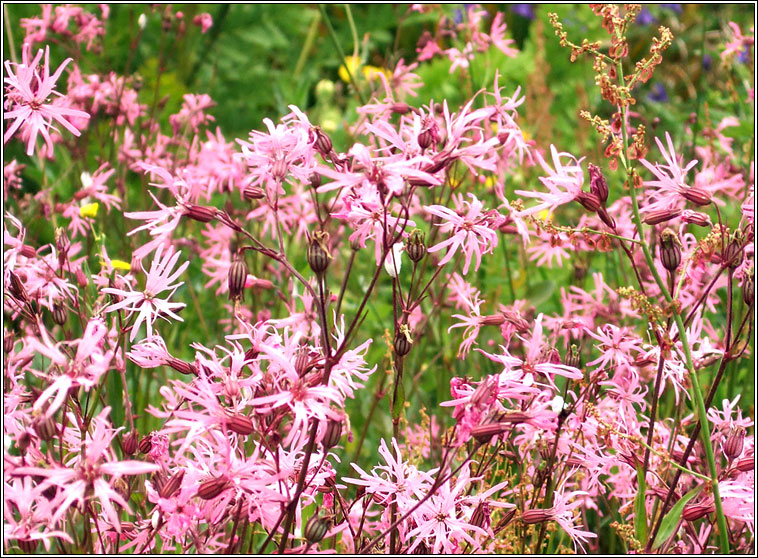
<point>340,52</point>
<point>696,391</point>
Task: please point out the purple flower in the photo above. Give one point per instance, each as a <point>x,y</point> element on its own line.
<point>524,10</point>
<point>645,17</point>
<point>658,95</point>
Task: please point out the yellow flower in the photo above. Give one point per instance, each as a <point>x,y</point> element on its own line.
<point>352,63</point>
<point>121,264</point>
<point>89,210</point>
<point>373,72</point>
<point>545,215</point>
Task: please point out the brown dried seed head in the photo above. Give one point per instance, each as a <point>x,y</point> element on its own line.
<point>670,250</point>
<point>60,314</point>
<point>315,529</point>
<point>318,253</point>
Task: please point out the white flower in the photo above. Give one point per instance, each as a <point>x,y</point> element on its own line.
<point>393,261</point>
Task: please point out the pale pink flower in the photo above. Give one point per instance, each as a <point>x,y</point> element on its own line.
<point>145,303</point>
<point>27,94</point>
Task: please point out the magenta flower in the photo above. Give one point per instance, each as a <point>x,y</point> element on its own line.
<point>473,232</point>
<point>670,187</point>
<point>145,303</point>
<point>28,93</point>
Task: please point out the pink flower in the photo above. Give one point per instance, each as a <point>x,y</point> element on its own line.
<point>145,302</point>
<point>564,183</point>
<point>204,21</point>
<point>669,188</point>
<point>27,94</point>
<point>472,231</point>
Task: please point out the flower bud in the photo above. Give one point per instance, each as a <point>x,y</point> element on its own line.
<point>670,250</point>
<point>573,357</point>
<point>598,185</point>
<point>748,287</point>
<point>323,143</point>
<point>425,138</point>
<point>236,279</point>
<point>302,360</point>
<point>129,443</point>
<point>698,196</point>
<point>122,488</point>
<point>27,546</point>
<point>403,341</point>
<point>696,218</point>
<point>314,180</point>
<point>531,517</point>
<point>9,340</point>
<point>415,247</point>
<point>400,108</point>
<point>733,254</point>
<point>251,192</point>
<point>201,213</point>
<point>481,516</point>
<point>315,529</point>
<point>45,428</point>
<point>693,512</point>
<point>59,313</point>
<point>146,444</point>
<point>172,484</point>
<point>212,487</point>
<point>181,366</point>
<point>333,434</point>
<point>318,255</point>
<point>734,442</point>
<point>484,432</point>
<point>17,289</point>
<point>240,424</point>
<point>745,464</point>
<point>661,216</point>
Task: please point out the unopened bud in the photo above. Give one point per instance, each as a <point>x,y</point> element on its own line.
<point>23,441</point>
<point>17,289</point>
<point>211,488</point>
<point>172,484</point>
<point>279,169</point>
<point>693,512</point>
<point>9,340</point>
<point>315,529</point>
<point>403,341</point>
<point>146,444</point>
<point>425,138</point>
<point>45,428</point>
<point>481,516</point>
<point>240,424</point>
<point>60,314</point>
<point>733,254</point>
<point>598,185</point>
<point>734,442</point>
<point>251,192</point>
<point>670,250</point>
<point>698,196</point>
<point>302,360</point>
<point>314,180</point>
<point>236,279</point>
<point>415,246</point>
<point>333,434</point>
<point>181,366</point>
<point>318,254</point>
<point>745,464</point>
<point>748,286</point>
<point>696,218</point>
<point>129,443</point>
<point>323,143</point>
<point>28,546</point>
<point>661,216</point>
<point>484,432</point>
<point>573,357</point>
<point>400,108</point>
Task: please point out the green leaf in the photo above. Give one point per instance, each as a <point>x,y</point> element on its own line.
<point>640,514</point>
<point>672,518</point>
<point>398,405</point>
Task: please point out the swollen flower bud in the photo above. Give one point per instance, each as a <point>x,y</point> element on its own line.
<point>403,340</point>
<point>323,143</point>
<point>670,250</point>
<point>748,286</point>
<point>415,246</point>
<point>45,428</point>
<point>733,253</point>
<point>425,138</point>
<point>734,442</point>
<point>129,443</point>
<point>574,357</point>
<point>59,313</point>
<point>146,444</point>
<point>236,279</point>
<point>693,512</point>
<point>696,218</point>
<point>315,529</point>
<point>661,216</point>
<point>333,434</point>
<point>17,289</point>
<point>318,254</point>
<point>251,192</point>
<point>589,201</point>
<point>240,424</point>
<point>201,213</point>
<point>598,185</point>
